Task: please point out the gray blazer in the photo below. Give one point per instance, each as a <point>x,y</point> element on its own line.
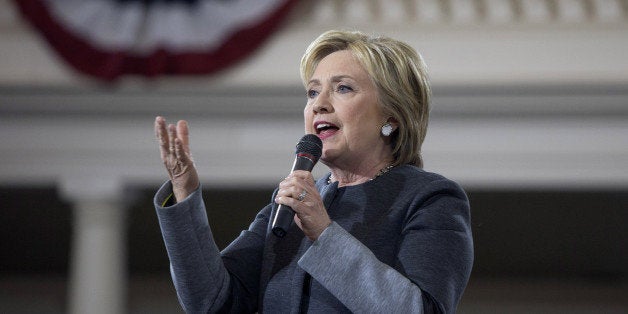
<point>400,243</point>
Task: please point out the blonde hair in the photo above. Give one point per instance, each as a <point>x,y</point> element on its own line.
<point>400,76</point>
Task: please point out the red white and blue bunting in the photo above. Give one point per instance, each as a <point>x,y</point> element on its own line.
<point>108,39</point>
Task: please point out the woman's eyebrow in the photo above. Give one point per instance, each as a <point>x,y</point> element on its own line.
<point>313,82</point>
<point>335,78</point>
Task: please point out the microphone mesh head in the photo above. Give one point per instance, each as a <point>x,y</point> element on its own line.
<point>310,144</point>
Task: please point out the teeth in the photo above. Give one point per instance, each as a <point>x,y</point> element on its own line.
<point>322,126</point>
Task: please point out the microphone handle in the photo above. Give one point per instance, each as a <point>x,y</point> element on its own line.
<point>283,220</point>
<point>285,214</point>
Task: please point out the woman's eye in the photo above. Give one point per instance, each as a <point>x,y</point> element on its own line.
<point>311,93</point>
<point>344,89</point>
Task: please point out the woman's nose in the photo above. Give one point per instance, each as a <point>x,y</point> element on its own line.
<point>323,104</point>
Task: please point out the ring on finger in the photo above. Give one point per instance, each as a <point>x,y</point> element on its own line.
<point>302,195</point>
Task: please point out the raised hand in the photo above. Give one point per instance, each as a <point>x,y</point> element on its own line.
<point>174,145</point>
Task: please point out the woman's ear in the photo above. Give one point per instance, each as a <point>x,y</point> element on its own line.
<point>389,127</point>
<point>394,123</point>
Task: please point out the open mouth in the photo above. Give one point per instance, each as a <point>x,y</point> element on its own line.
<point>325,128</point>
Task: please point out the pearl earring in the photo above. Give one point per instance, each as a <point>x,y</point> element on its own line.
<point>387,129</point>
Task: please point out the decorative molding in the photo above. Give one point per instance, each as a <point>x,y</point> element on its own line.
<point>443,12</point>
<point>460,12</point>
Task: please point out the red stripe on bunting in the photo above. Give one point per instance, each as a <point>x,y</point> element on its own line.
<point>113,64</point>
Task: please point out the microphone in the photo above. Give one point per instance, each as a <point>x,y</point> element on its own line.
<point>309,149</point>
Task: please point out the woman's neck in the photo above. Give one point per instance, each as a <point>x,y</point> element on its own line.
<point>348,177</point>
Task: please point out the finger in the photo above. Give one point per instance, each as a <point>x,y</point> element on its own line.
<point>302,195</point>
<point>295,192</point>
<point>286,192</point>
<point>172,135</point>
<point>183,131</point>
<point>286,183</point>
<point>290,185</point>
<point>180,152</point>
<point>302,174</point>
<point>288,201</point>
<point>158,121</point>
<point>162,137</point>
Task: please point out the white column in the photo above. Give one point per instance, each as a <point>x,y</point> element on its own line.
<point>98,256</point>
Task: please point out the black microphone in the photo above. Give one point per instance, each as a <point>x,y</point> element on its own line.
<point>309,149</point>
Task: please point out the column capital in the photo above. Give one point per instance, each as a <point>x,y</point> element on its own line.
<point>83,187</point>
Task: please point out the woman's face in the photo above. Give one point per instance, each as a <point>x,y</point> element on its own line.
<point>343,110</point>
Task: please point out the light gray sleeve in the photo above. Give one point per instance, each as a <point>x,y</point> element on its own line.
<point>352,273</point>
<point>198,273</point>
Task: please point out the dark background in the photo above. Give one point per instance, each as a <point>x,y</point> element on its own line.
<point>534,237</point>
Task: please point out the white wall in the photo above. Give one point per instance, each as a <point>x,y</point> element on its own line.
<point>534,94</point>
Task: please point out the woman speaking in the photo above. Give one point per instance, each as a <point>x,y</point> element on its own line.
<point>378,234</point>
